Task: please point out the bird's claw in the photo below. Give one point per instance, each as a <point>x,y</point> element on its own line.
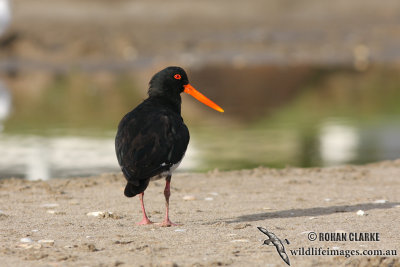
<point>145,221</point>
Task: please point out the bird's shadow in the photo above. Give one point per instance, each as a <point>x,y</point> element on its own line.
<point>317,211</point>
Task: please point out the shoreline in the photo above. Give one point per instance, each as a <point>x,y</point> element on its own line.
<point>219,213</point>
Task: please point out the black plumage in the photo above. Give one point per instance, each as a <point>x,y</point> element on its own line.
<point>152,138</point>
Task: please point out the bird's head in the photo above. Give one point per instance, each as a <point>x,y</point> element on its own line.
<point>172,81</point>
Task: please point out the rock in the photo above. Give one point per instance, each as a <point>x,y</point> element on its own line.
<point>46,241</point>
<point>56,212</point>
<point>103,214</point>
<point>49,205</point>
<point>209,199</point>
<point>380,201</point>
<point>25,246</point>
<point>29,246</point>
<point>361,213</point>
<point>26,240</point>
<point>96,213</point>
<point>74,202</point>
<point>90,247</point>
<point>189,197</point>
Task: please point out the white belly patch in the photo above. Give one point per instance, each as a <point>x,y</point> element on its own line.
<point>166,173</point>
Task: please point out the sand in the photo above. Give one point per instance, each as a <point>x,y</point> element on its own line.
<point>218,211</point>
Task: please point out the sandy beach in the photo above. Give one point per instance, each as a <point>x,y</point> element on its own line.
<point>46,223</point>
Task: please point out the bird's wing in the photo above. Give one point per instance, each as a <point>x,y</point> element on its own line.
<point>263,230</point>
<point>150,144</point>
<point>280,248</point>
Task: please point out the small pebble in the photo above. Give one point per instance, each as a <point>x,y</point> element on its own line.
<point>209,199</point>
<point>74,202</point>
<point>380,201</point>
<point>312,218</point>
<point>327,199</point>
<point>35,230</point>
<point>46,241</point>
<point>360,213</point>
<point>90,247</point>
<point>25,246</point>
<point>26,240</point>
<point>96,213</point>
<point>180,230</point>
<point>335,248</point>
<point>214,193</point>
<point>49,205</point>
<point>103,214</point>
<point>56,212</point>
<point>189,197</point>
<point>29,246</point>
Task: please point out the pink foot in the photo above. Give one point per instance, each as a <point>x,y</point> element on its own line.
<point>168,223</point>
<point>145,221</point>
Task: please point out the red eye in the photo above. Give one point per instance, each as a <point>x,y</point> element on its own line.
<point>177,76</point>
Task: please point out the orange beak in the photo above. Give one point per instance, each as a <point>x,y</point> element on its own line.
<point>199,96</point>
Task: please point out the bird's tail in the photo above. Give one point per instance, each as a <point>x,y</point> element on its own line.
<point>132,190</point>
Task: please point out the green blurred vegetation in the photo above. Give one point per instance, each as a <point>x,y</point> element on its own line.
<point>288,136</point>
<point>74,103</point>
<point>362,97</point>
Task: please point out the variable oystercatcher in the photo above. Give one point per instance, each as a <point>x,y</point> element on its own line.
<point>152,138</point>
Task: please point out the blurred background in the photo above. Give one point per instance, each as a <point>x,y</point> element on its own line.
<point>303,83</point>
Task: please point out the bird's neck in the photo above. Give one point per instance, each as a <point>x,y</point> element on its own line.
<point>173,103</point>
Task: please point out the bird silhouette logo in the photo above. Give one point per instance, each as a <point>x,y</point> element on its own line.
<point>274,240</point>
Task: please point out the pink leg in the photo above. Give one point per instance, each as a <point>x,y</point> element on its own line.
<point>167,193</point>
<point>145,219</point>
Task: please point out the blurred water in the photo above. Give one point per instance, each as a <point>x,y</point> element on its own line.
<point>5,104</point>
<point>5,15</point>
<point>319,118</point>
<point>37,157</point>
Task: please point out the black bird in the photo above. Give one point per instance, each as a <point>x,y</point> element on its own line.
<point>152,138</point>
